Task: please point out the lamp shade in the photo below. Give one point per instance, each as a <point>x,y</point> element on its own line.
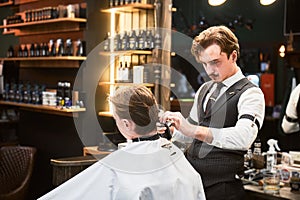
<point>216,2</point>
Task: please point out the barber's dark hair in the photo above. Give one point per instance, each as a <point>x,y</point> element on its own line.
<point>219,35</point>
<point>136,103</point>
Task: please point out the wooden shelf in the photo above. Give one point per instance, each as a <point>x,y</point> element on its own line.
<point>126,52</point>
<point>129,8</point>
<point>126,84</point>
<point>105,113</point>
<point>48,62</point>
<point>58,20</point>
<point>79,58</point>
<point>20,2</point>
<point>58,25</point>
<point>6,4</point>
<point>45,109</point>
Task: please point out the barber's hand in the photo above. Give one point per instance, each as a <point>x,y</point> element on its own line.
<point>179,122</point>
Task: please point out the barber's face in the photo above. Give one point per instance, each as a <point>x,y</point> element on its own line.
<point>216,64</point>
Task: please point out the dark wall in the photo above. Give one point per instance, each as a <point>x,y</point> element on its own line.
<point>6,40</point>
<point>268,20</point>
<point>265,37</point>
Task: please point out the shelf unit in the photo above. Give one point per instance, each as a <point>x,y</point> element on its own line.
<point>51,69</point>
<point>140,16</point>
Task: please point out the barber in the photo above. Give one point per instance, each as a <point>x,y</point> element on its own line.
<point>222,133</point>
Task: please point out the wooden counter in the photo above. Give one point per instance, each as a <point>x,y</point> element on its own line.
<point>257,193</point>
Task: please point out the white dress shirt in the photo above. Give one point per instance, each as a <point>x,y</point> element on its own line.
<point>291,111</point>
<point>142,170</point>
<point>243,134</point>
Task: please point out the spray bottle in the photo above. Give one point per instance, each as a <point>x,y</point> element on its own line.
<point>272,155</point>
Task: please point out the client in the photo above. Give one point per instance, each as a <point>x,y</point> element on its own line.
<point>148,167</point>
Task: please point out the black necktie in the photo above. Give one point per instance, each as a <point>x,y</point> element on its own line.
<point>213,97</point>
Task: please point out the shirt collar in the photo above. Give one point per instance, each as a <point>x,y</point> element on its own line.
<point>233,79</point>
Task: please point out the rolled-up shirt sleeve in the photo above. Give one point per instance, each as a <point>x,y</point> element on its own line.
<point>242,135</point>
<point>291,112</point>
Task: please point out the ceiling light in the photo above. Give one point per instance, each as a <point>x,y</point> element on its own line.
<point>216,2</point>
<point>266,2</point>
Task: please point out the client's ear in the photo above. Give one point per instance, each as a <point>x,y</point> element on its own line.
<point>128,125</point>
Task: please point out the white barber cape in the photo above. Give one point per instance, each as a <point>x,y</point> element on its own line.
<point>141,170</point>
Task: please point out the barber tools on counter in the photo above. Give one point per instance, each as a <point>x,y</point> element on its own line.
<point>272,169</point>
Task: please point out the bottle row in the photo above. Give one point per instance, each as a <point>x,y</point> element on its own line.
<point>23,93</point>
<point>46,13</point>
<point>37,94</point>
<point>51,48</point>
<point>144,40</point>
<point>113,3</point>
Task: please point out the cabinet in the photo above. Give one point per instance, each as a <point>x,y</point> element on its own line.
<point>51,130</point>
<point>138,20</point>
<point>36,24</point>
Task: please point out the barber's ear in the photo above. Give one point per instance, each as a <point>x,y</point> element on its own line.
<point>234,55</point>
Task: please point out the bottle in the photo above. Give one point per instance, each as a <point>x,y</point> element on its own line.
<point>149,40</point>
<point>10,52</point>
<point>248,162</point>
<point>60,50</point>
<point>157,41</point>
<point>106,42</point>
<point>20,51</point>
<point>37,50</point>
<point>67,94</point>
<point>67,90</point>
<point>18,95</point>
<point>257,147</point>
<point>6,92</point>
<point>117,43</point>
<point>25,51</point>
<point>142,40</point>
<point>125,41</point>
<point>69,47</point>
<point>31,50</point>
<point>120,72</point>
<point>126,72</point>
<point>272,155</point>
<point>43,49</point>
<point>133,43</point>
<point>80,48</point>
<point>59,93</point>
<point>52,51</point>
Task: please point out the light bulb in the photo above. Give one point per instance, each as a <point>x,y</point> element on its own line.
<point>266,2</point>
<point>282,49</point>
<point>216,2</point>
